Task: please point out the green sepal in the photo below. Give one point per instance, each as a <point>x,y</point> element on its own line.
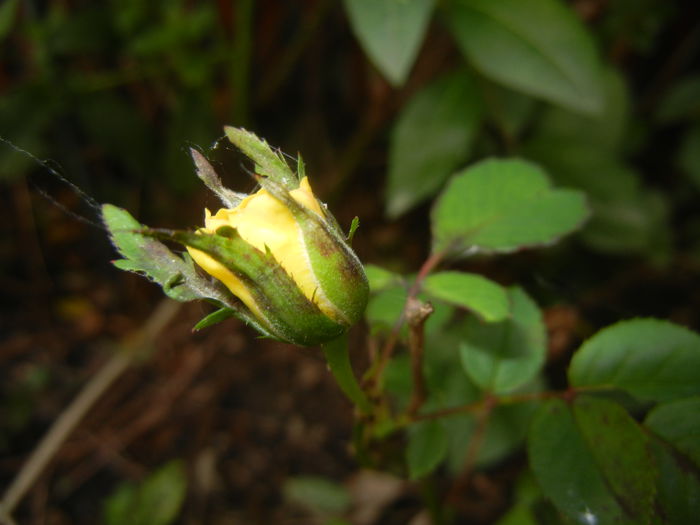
<point>288,315</point>
<point>176,274</point>
<point>267,162</point>
<point>214,318</point>
<point>336,267</point>
<point>211,180</point>
<point>354,225</point>
<point>151,258</point>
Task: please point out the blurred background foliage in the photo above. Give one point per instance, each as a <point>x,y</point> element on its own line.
<point>385,99</point>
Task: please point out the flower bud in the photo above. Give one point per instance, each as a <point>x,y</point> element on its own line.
<point>279,252</point>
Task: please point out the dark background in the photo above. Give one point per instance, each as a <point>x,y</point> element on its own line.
<point>114,93</point>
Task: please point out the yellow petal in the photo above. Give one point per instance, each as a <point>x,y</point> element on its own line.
<point>265,223</point>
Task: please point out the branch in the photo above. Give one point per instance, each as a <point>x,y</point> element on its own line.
<point>417,313</point>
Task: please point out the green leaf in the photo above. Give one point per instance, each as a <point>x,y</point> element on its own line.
<point>503,205</point>
<point>317,494</point>
<point>605,130</point>
<point>427,447</point>
<point>476,293</point>
<point>591,460</point>
<point>379,278</point>
<point>678,423</point>
<point>384,308</point>
<point>500,357</point>
<point>431,138</point>
<point>650,359</point>
<point>390,32</point>
<point>626,218</point>
<point>510,110</point>
<point>505,433</point>
<point>155,501</point>
<point>538,47</point>
<point>620,450</point>
<point>678,487</point>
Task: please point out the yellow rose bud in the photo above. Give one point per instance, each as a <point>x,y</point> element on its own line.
<point>281,234</point>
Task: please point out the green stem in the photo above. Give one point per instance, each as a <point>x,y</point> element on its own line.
<point>336,353</point>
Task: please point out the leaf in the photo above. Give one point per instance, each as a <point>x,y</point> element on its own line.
<point>502,205</point>
<point>604,130</point>
<point>538,47</point>
<point>500,357</point>
<point>678,423</point>
<point>427,447</point>
<point>431,137</point>
<point>317,494</point>
<point>379,278</point>
<point>476,293</point>
<point>155,501</point>
<point>620,450</point>
<point>626,218</point>
<point>505,433</point>
<point>384,308</point>
<point>390,32</point>
<point>650,359</point>
<point>510,110</point>
<point>591,460</point>
<point>678,487</point>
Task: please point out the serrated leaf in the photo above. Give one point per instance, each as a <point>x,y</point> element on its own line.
<point>538,47</point>
<point>431,137</point>
<point>427,447</point>
<point>503,205</point>
<point>482,296</point>
<point>582,456</point>
<point>678,423</point>
<point>500,357</point>
<point>390,32</point>
<point>652,360</point>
